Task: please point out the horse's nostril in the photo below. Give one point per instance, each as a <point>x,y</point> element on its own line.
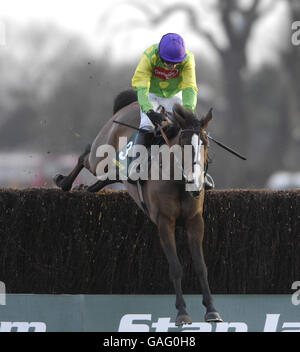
<point>195,194</point>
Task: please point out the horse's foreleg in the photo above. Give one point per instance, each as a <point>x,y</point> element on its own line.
<point>65,182</point>
<point>167,239</point>
<point>195,232</point>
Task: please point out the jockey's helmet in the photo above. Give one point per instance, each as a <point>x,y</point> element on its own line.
<point>171,48</point>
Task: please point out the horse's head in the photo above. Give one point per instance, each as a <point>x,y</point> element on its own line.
<point>194,141</point>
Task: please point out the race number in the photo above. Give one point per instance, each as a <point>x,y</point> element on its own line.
<point>123,154</point>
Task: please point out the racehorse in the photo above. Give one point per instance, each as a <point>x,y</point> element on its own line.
<point>165,200</point>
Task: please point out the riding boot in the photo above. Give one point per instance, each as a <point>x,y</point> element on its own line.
<point>208,182</point>
<point>134,167</point>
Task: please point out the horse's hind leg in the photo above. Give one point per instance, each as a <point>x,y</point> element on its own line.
<point>65,182</point>
<point>166,228</point>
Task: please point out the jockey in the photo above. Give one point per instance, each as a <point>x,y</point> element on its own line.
<point>164,76</point>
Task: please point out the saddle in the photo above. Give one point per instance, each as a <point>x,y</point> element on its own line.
<point>152,137</point>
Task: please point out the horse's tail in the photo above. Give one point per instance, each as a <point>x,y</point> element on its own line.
<point>124,98</point>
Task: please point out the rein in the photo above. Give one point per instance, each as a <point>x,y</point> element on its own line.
<point>230,150</point>
<point>164,136</point>
<point>127,125</point>
<point>227,148</point>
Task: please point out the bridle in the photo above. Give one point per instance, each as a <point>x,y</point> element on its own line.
<point>198,132</point>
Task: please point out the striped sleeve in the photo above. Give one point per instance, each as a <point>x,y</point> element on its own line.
<point>141,82</point>
<point>143,73</point>
<point>189,85</point>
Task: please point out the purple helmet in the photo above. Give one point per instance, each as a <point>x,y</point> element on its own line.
<point>171,48</point>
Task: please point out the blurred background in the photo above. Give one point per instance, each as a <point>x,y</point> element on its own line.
<point>63,62</point>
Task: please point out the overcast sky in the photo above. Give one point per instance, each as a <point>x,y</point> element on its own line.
<point>122,29</point>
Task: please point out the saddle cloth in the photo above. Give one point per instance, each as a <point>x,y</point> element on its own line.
<point>122,159</point>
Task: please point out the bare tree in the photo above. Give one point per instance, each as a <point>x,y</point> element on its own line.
<point>291,73</point>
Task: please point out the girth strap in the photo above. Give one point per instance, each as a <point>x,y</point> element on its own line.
<point>141,197</point>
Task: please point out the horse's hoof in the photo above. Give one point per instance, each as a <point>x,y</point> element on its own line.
<point>183,319</point>
<point>57,179</point>
<point>60,182</point>
<point>213,317</point>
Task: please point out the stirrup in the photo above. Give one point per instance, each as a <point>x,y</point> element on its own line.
<point>208,182</point>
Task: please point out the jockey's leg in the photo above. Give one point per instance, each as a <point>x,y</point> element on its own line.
<point>134,170</point>
<point>147,126</point>
<point>168,103</point>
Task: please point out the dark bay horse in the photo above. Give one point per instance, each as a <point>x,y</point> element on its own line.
<point>165,200</point>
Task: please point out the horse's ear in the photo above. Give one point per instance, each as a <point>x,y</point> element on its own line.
<point>178,114</point>
<point>206,119</point>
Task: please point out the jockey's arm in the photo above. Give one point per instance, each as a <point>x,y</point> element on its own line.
<point>141,83</point>
<point>189,85</point>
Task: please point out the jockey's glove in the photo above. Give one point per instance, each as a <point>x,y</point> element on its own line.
<point>155,117</point>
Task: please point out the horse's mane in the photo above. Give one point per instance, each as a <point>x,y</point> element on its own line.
<point>123,99</point>
<point>191,120</point>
